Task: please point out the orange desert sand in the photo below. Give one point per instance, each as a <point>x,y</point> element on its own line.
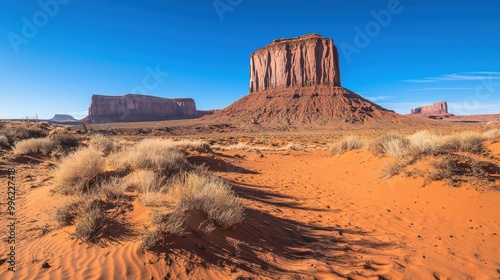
<point>308,215</point>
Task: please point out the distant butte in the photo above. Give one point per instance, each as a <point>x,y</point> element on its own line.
<point>136,107</point>
<point>439,108</point>
<point>296,82</point>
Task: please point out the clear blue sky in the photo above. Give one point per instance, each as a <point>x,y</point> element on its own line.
<point>54,54</point>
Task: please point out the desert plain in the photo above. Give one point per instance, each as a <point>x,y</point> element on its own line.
<point>407,202</point>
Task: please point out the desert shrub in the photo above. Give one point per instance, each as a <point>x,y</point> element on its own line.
<point>425,143</point>
<point>21,133</point>
<point>248,148</point>
<point>4,141</point>
<point>42,146</point>
<point>194,145</point>
<point>391,169</point>
<point>455,169</point>
<point>171,222</point>
<point>346,144</point>
<point>66,140</point>
<point>163,223</point>
<point>66,213</point>
<point>149,239</point>
<point>492,134</point>
<point>78,172</point>
<point>469,142</point>
<point>152,187</point>
<point>154,154</point>
<point>114,188</point>
<point>91,220</point>
<point>210,194</point>
<point>101,143</point>
<point>391,145</point>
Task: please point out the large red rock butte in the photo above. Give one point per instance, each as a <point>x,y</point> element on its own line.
<point>303,61</point>
<point>135,107</point>
<point>296,83</point>
<point>439,108</point>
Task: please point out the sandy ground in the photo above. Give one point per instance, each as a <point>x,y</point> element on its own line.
<point>309,216</point>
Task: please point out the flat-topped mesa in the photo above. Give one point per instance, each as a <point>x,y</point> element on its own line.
<point>136,107</point>
<point>302,61</point>
<point>439,108</point>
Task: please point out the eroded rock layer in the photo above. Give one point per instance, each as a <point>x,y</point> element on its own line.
<point>439,108</point>
<point>302,61</point>
<point>135,107</point>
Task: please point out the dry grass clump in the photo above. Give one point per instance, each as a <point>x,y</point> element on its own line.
<point>42,146</point>
<point>87,213</point>
<point>91,219</point>
<point>391,145</point>
<point>245,147</point>
<point>101,143</point>
<point>455,169</point>
<point>164,223</point>
<point>152,187</point>
<point>4,141</point>
<point>346,144</point>
<point>66,140</point>
<point>66,213</point>
<point>426,143</point>
<point>492,134</point>
<point>161,156</point>
<point>18,133</point>
<point>468,142</point>
<point>114,188</point>
<point>196,145</point>
<point>210,194</point>
<point>393,168</point>
<point>78,172</point>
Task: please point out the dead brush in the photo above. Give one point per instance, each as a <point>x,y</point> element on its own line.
<point>346,144</point>
<point>114,188</point>
<point>101,143</point>
<point>210,194</point>
<point>163,223</point>
<point>65,140</point>
<point>91,220</point>
<point>455,169</point>
<point>153,154</point>
<point>391,145</point>
<point>79,172</point>
<point>468,142</point>
<point>42,146</point>
<point>66,213</point>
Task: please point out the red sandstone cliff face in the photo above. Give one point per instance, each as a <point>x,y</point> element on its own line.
<point>302,61</point>
<point>135,107</point>
<point>439,108</point>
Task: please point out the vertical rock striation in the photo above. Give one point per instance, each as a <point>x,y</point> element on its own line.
<point>302,61</point>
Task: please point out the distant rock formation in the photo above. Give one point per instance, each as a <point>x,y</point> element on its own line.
<point>135,107</point>
<point>439,108</point>
<point>63,118</point>
<point>302,61</point>
<point>296,83</point>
